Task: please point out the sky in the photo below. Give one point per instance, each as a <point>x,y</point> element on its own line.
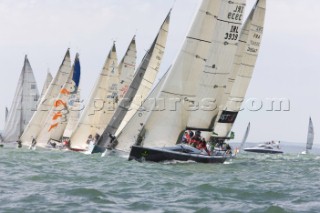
<point>288,65</point>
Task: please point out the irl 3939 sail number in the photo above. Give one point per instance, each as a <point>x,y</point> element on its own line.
<point>231,36</point>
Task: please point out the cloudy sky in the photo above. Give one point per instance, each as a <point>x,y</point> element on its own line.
<point>288,66</point>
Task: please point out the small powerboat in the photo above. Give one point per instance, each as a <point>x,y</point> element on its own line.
<point>268,148</point>
<point>180,152</point>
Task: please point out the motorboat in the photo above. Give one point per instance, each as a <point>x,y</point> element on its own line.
<point>268,148</point>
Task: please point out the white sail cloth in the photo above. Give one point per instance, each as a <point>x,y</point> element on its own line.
<point>23,106</point>
<point>243,68</point>
<point>101,105</point>
<point>39,117</point>
<point>163,127</point>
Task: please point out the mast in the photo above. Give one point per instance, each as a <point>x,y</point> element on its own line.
<point>23,80</point>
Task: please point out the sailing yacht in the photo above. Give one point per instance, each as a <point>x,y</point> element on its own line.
<point>139,88</point>
<point>243,68</point>
<point>310,138</point>
<point>58,117</point>
<point>190,60</point>
<point>101,104</point>
<point>244,139</point>
<point>38,119</point>
<point>23,106</point>
<point>163,129</point>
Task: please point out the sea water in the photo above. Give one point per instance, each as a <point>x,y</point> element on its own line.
<point>57,181</point>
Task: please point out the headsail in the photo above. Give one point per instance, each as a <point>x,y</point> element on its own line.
<point>128,136</point>
<point>75,107</point>
<point>254,26</point>
<point>310,136</point>
<point>163,127</point>
<point>150,74</point>
<point>101,105</point>
<point>140,86</point>
<point>46,84</point>
<point>126,68</point>
<point>23,106</point>
<point>39,117</point>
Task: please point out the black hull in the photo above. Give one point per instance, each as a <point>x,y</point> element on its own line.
<point>158,155</point>
<point>263,151</point>
<point>98,149</point>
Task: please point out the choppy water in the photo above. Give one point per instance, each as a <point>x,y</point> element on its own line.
<point>55,181</point>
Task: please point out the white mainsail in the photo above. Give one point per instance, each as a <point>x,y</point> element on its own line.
<point>126,68</point>
<point>310,136</point>
<point>101,105</point>
<point>58,116</point>
<point>244,139</point>
<point>23,106</point>
<point>6,114</point>
<point>213,78</point>
<point>228,113</point>
<point>46,84</point>
<point>163,127</point>
<point>39,117</point>
<point>150,74</point>
<point>128,136</point>
<point>139,86</point>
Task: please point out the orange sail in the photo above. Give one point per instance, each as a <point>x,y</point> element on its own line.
<point>57,115</point>
<point>53,126</point>
<point>59,103</point>
<point>64,91</point>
